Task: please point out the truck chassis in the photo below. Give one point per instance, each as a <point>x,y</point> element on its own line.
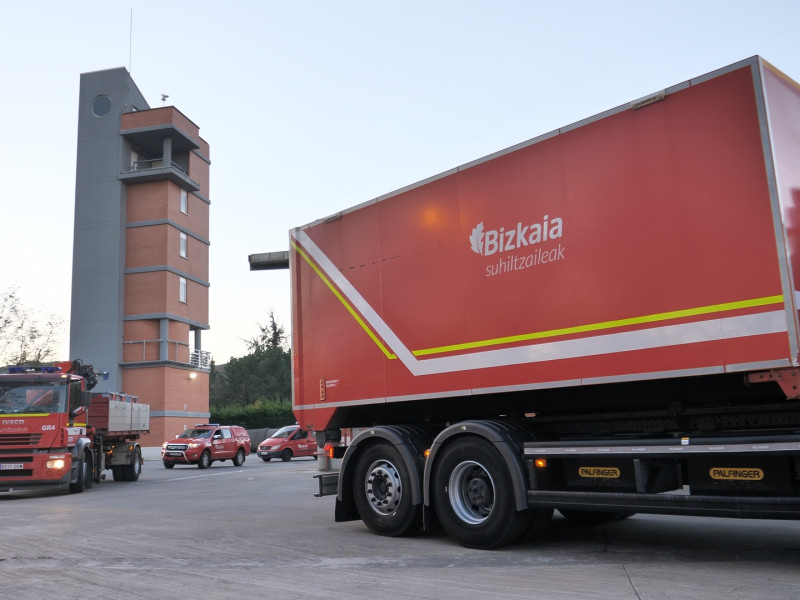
<point>490,482</point>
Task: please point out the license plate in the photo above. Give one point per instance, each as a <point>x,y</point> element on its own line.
<point>10,466</point>
<point>174,454</point>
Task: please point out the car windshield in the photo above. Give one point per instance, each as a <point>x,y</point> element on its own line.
<point>284,433</point>
<point>196,433</point>
<point>27,397</point>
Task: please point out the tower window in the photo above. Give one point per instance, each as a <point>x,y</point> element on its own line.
<point>184,202</point>
<point>101,106</point>
<point>184,245</point>
<point>182,292</point>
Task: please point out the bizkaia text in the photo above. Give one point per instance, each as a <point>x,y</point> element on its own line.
<point>492,241</point>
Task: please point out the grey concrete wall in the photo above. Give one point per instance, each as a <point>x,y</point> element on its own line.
<point>98,260</point>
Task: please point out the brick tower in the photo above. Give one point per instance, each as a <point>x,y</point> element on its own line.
<point>140,252</point>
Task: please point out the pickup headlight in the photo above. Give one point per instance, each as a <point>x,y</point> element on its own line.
<point>194,445</point>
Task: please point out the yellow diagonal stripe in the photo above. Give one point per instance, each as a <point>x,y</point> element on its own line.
<point>344,302</point>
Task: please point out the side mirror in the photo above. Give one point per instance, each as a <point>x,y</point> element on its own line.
<point>79,411</point>
<point>86,398</point>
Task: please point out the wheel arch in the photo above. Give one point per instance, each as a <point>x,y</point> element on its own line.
<point>507,437</point>
<point>81,449</point>
<point>82,445</point>
<point>409,441</point>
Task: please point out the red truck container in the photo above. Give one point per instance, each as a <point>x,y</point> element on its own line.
<point>55,433</point>
<point>602,320</point>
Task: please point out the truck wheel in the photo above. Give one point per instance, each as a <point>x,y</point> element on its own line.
<point>169,465</point>
<point>381,492</point>
<point>84,479</point>
<point>591,518</point>
<point>238,460</point>
<point>473,496</point>
<point>116,471</point>
<point>286,455</point>
<point>205,460</point>
<point>89,472</point>
<point>132,471</point>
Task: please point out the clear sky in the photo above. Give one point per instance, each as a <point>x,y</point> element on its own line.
<point>311,107</point>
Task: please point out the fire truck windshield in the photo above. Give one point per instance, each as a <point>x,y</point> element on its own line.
<point>27,397</point>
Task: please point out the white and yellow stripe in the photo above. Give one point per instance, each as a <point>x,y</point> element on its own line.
<point>482,354</point>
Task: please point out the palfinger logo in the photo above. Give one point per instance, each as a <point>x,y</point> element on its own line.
<point>493,241</point>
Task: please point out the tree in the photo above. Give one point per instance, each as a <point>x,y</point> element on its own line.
<point>24,338</point>
<point>263,375</point>
<point>271,336</point>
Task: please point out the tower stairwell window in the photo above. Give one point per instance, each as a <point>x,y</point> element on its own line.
<point>182,292</point>
<point>184,202</point>
<point>184,245</point>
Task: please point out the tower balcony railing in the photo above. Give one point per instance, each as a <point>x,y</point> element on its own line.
<point>139,352</point>
<point>200,359</point>
<point>156,169</point>
<point>154,163</point>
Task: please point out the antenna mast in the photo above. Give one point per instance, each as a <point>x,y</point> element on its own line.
<point>130,42</point>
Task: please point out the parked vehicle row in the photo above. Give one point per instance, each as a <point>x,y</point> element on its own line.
<point>207,443</point>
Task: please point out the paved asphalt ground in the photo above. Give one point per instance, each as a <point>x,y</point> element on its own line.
<point>257,531</point>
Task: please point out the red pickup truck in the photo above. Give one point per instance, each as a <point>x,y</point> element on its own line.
<point>205,444</point>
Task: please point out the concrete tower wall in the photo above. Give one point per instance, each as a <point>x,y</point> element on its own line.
<point>98,256</point>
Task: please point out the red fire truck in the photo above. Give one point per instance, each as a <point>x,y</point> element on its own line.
<point>54,432</point>
<point>601,321</point>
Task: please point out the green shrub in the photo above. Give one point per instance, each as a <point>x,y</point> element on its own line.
<point>262,414</point>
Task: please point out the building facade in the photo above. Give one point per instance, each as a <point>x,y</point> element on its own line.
<point>140,276</point>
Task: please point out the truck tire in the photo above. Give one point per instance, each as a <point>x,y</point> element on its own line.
<point>473,496</point>
<point>382,494</point>
<point>238,460</point>
<point>85,478</point>
<point>286,455</point>
<point>132,471</point>
<point>205,460</point>
<point>116,472</point>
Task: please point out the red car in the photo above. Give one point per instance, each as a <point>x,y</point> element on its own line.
<point>205,444</point>
<point>287,442</point>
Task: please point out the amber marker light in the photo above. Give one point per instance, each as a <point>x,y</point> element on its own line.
<point>541,463</point>
<point>328,450</point>
<point>426,453</point>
